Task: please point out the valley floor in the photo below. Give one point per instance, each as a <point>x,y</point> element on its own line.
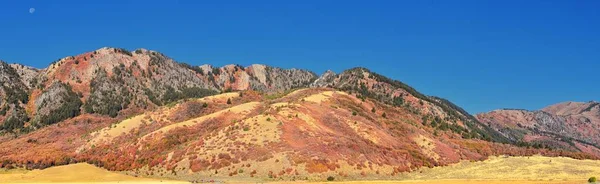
<point>496,170</point>
<point>460,182</point>
<point>75,173</point>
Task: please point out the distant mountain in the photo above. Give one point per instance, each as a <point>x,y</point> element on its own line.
<point>570,125</point>
<point>146,114</point>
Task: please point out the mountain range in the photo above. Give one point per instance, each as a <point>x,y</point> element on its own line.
<point>571,126</point>
<point>145,114</point>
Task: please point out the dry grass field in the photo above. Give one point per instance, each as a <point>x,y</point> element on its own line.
<point>496,170</point>
<point>75,173</point>
<point>503,170</point>
<point>534,168</point>
<point>448,182</point>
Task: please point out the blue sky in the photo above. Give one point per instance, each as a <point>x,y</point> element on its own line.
<point>482,55</point>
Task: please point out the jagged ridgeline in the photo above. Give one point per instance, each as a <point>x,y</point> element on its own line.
<point>113,82</point>
<point>110,80</point>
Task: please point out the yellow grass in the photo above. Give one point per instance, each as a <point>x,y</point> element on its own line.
<point>242,109</point>
<point>427,146</point>
<point>297,92</point>
<point>319,97</point>
<point>75,173</point>
<point>363,131</point>
<point>515,168</point>
<point>279,105</point>
<point>123,127</point>
<point>260,130</point>
<point>497,170</point>
<point>109,133</point>
<point>445,182</point>
<point>220,97</point>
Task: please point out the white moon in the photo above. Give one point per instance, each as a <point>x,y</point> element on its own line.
<point>31,10</point>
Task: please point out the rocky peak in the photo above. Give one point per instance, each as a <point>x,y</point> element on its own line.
<point>260,72</point>
<point>10,77</point>
<point>206,68</point>
<point>6,71</point>
<point>26,73</point>
<point>325,80</point>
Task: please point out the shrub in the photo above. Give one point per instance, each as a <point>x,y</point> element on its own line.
<point>197,92</point>
<point>229,101</point>
<point>123,51</point>
<point>354,113</point>
<point>12,123</point>
<point>196,69</point>
<point>373,110</point>
<point>384,115</point>
<point>592,180</point>
<point>172,95</point>
<point>110,103</point>
<point>151,96</point>
<point>15,95</point>
<point>117,71</point>
<point>204,105</point>
<point>330,178</point>
<point>398,101</point>
<point>216,71</point>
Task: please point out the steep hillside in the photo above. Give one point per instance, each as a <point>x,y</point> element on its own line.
<point>436,112</point>
<point>306,134</point>
<point>570,125</point>
<point>13,96</point>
